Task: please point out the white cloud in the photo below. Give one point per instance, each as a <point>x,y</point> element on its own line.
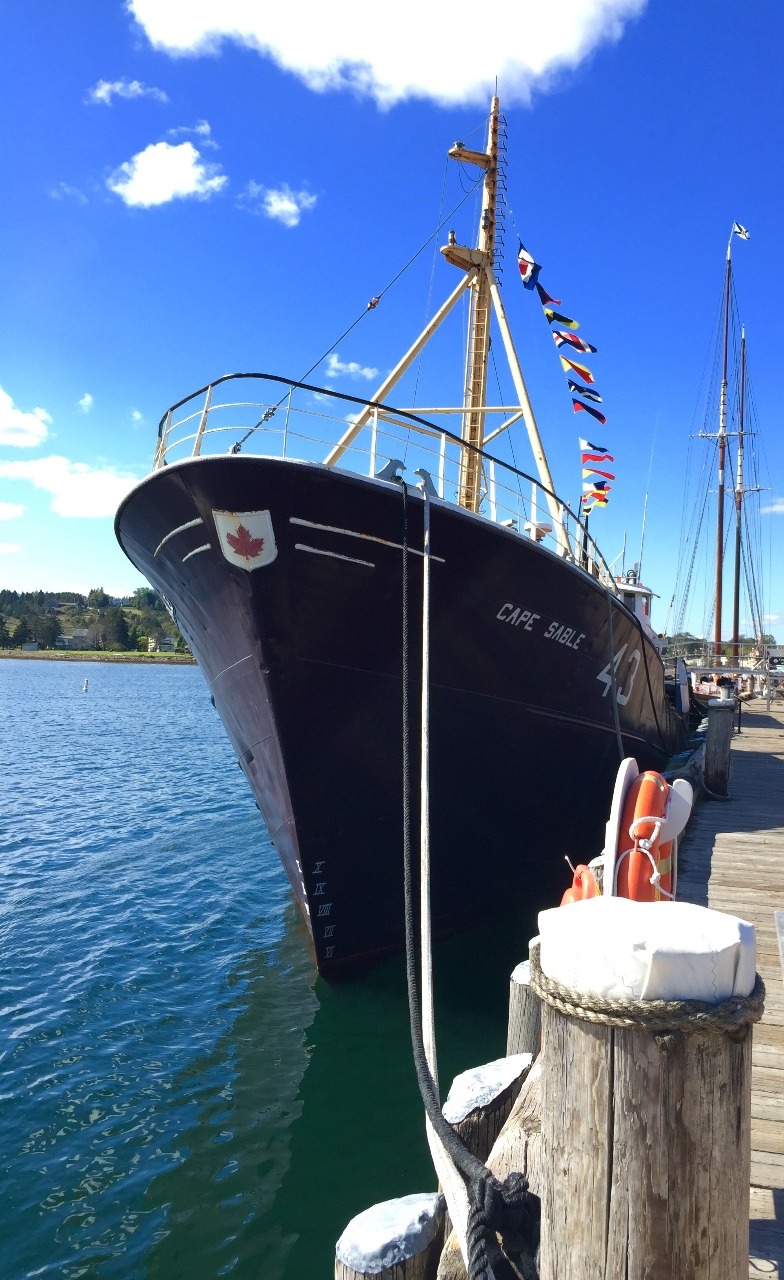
<point>76,488</point>
<point>423,52</point>
<point>774,508</point>
<point>163,172</point>
<point>22,429</point>
<point>63,191</point>
<point>9,548</point>
<point>86,403</point>
<point>201,129</point>
<point>279,203</point>
<point>11,510</point>
<point>337,368</point>
<point>105,90</point>
<point>136,417</point>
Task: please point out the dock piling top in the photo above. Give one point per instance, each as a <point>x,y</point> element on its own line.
<point>478,1087</point>
<point>647,1010</point>
<point>389,1234</point>
<point>614,948</point>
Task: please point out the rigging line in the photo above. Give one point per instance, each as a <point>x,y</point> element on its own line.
<point>428,303</point>
<point>464,172</point>
<point>745,563</point>
<point>647,491</point>
<point>377,298</point>
<point>751,595</point>
<point>707,388</point>
<point>750,578</point>
<point>509,436</point>
<point>650,689</point>
<point>421,249</point>
<point>685,588</point>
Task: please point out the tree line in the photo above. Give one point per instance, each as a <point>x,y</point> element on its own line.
<point>125,625</point>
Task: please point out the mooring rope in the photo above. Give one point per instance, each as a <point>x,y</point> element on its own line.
<point>426,941</point>
<point>650,691</point>
<point>733,1016</point>
<point>506,1207</point>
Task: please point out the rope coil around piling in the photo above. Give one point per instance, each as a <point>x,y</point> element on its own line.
<point>734,1016</point>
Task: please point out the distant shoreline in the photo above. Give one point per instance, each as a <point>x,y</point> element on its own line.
<point>67,655</point>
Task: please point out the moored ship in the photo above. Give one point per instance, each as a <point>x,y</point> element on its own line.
<point>287,571</point>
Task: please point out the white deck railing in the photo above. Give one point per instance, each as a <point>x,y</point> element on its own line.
<point>260,415</point>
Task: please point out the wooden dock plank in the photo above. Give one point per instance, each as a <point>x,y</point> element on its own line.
<point>732,859</point>
<point>766,1220</point>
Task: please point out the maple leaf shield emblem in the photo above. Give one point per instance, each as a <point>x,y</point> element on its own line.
<point>244,543</point>
<point>246,538</point>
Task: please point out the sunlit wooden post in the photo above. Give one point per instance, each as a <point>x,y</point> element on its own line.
<point>646,1102</point>
<point>524,1033</point>
<point>396,1240</point>
<point>718,743</point>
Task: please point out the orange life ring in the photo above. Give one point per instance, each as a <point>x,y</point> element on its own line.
<point>583,885</point>
<point>644,809</point>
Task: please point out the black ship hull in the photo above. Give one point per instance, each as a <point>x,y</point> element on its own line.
<point>302,647</point>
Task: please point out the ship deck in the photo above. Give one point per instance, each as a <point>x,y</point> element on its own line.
<point>732,859</point>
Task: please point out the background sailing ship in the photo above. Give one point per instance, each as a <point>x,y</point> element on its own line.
<point>297,577</point>
<point>719,621</point>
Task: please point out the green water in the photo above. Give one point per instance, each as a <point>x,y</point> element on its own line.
<point>180,1096</point>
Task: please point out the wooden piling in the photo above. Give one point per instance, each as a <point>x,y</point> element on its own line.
<point>480,1100</point>
<point>524,1034</point>
<point>645,1132</point>
<point>718,741</point>
<point>396,1240</point>
<point>516,1149</point>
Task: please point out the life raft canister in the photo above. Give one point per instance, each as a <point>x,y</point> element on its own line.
<point>644,867</point>
<point>583,885</point>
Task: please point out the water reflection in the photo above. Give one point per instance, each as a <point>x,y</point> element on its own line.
<point>308,1110</point>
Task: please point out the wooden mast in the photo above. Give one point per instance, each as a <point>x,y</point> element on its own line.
<point>485,296</point>
<point>722,438</point>
<point>475,392</point>
<point>739,505</point>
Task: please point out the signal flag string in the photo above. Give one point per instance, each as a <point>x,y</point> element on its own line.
<point>595,491</point>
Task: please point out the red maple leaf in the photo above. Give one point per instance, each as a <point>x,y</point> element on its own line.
<point>243,544</point>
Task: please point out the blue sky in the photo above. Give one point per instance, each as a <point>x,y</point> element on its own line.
<point>192,188</point>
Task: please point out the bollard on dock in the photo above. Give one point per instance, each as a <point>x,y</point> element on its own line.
<point>646,1090</point>
<point>718,742</point>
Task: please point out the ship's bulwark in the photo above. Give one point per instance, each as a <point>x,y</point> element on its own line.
<point>303,656</point>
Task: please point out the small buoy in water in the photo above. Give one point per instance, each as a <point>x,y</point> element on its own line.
<point>85,686</point>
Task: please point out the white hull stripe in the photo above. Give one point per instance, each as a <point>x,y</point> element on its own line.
<point>180,529</point>
<point>367,537</point>
<point>196,551</point>
<point>317,551</point>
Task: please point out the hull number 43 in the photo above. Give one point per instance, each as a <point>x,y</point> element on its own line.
<point>624,692</point>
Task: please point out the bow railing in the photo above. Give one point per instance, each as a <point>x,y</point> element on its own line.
<point>275,417</point>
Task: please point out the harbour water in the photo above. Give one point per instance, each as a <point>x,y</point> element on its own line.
<point>180,1095</point>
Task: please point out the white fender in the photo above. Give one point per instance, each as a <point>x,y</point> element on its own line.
<point>627,772</point>
<point>679,808</point>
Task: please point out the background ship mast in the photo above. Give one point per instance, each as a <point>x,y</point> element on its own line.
<point>739,505</point>
<point>722,442</point>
